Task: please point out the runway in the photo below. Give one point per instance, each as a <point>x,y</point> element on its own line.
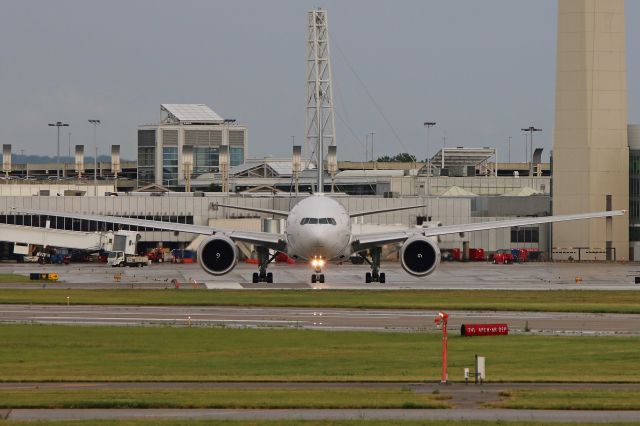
<point>449,275</point>
<point>578,416</point>
<point>327,319</point>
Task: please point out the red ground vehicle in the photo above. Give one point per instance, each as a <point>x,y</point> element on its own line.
<point>283,258</point>
<point>451,254</point>
<point>477,254</point>
<point>503,256</point>
<point>523,255</point>
<point>159,255</point>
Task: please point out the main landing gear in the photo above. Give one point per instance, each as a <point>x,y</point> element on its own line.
<point>318,276</point>
<point>263,260</point>
<point>375,275</point>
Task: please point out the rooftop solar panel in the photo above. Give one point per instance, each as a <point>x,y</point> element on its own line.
<point>194,113</point>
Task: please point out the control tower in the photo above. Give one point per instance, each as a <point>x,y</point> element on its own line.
<point>590,151</point>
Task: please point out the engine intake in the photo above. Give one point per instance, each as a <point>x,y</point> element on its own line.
<point>218,255</point>
<point>419,256</point>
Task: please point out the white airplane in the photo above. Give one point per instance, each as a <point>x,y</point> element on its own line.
<point>319,230</point>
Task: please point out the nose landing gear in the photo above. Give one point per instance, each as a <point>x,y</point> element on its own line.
<point>318,276</point>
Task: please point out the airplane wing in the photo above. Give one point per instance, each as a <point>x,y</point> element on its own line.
<point>267,239</point>
<point>255,209</point>
<point>392,209</point>
<point>364,241</point>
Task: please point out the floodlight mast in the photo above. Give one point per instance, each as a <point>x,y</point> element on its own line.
<point>95,123</point>
<point>58,124</point>
<point>428,125</point>
<point>531,129</point>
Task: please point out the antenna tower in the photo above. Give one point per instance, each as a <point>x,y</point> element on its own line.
<point>319,120</point>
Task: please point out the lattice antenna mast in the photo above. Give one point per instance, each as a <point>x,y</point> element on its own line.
<point>320,119</point>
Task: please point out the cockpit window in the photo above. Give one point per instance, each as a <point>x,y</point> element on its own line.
<point>318,221</point>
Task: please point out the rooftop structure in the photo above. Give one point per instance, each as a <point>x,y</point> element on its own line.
<point>463,162</point>
<point>188,114</point>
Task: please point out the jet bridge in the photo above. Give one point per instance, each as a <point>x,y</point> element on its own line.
<point>23,236</point>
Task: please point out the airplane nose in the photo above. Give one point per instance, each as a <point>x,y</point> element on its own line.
<point>316,237</point>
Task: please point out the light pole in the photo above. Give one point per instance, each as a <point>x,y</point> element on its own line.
<point>372,158</point>
<point>58,124</point>
<point>531,129</point>
<point>366,147</point>
<point>428,125</point>
<point>95,157</point>
<point>509,143</point>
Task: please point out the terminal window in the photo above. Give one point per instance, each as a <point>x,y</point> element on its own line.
<point>525,235</point>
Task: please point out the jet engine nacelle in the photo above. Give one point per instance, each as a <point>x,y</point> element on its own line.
<point>419,256</point>
<point>218,255</point>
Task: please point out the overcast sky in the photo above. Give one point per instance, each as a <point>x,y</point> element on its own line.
<point>480,69</point>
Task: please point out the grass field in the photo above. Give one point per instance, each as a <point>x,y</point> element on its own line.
<point>13,278</point>
<point>492,300</point>
<point>221,398</point>
<point>60,353</point>
<point>570,400</point>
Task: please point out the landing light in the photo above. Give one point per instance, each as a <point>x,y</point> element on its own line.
<point>317,262</point>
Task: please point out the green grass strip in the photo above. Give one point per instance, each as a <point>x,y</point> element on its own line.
<point>588,399</point>
<point>191,422</point>
<point>492,300</point>
<point>14,278</point>
<point>221,398</point>
<point>63,353</point>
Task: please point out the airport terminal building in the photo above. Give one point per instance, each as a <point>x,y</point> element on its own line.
<point>161,146</point>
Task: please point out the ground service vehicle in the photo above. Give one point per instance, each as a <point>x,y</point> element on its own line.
<point>450,255</point>
<point>159,255</point>
<point>119,258</point>
<point>503,256</point>
<point>477,254</point>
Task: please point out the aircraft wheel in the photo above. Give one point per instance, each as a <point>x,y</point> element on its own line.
<point>321,278</point>
<point>382,278</point>
<point>367,277</point>
<point>255,277</point>
<point>313,278</point>
<point>270,277</point>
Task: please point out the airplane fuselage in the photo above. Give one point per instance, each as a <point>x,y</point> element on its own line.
<point>318,227</point>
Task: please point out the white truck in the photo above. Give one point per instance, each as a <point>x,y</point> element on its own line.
<point>120,258</point>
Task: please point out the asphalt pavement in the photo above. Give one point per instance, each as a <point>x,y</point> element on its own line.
<point>325,318</point>
<point>449,275</point>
